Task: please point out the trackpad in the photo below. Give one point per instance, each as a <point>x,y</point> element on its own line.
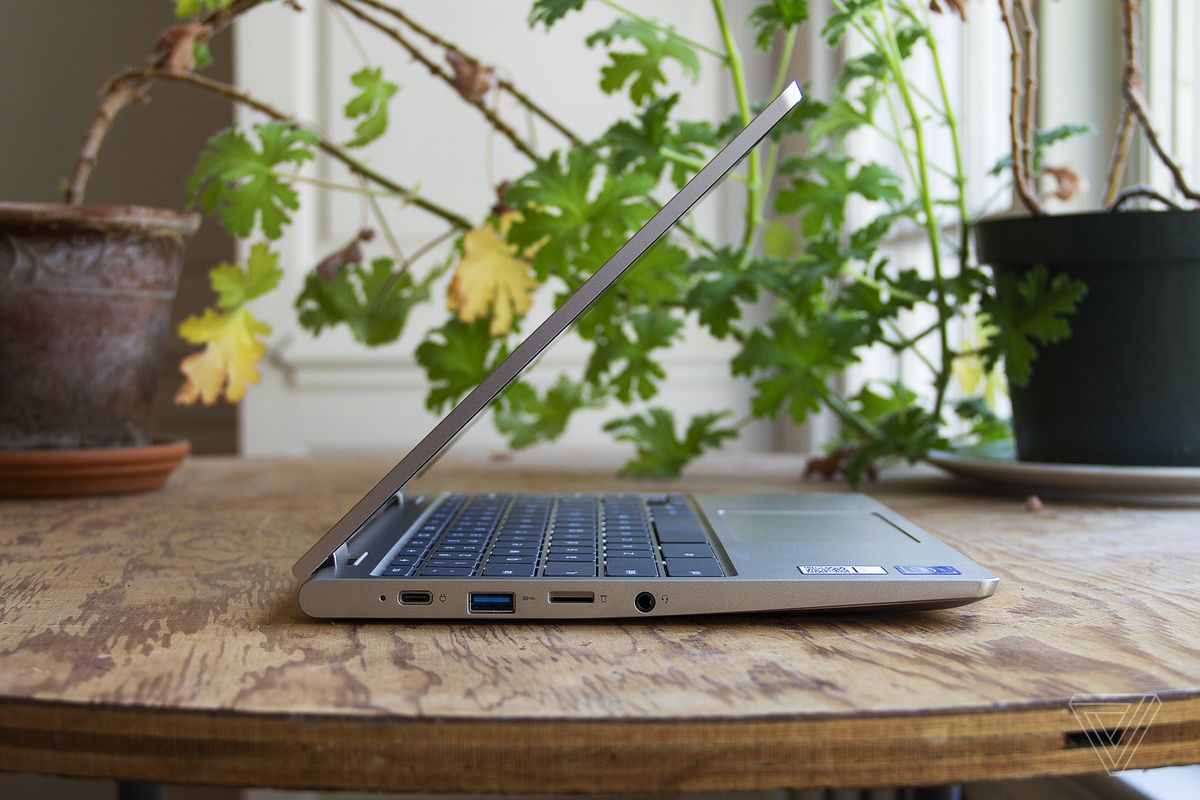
<point>787,526</point>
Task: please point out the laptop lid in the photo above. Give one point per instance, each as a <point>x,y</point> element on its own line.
<point>445,432</point>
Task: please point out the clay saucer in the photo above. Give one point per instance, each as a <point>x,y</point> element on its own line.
<point>100,470</point>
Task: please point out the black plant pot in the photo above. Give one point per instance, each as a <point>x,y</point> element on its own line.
<point>1124,388</point>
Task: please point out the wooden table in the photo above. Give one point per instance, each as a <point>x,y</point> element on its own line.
<point>157,637</point>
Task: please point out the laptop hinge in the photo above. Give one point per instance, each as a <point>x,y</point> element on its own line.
<point>348,553</point>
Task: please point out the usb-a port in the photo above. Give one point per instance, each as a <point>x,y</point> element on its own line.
<point>492,603</point>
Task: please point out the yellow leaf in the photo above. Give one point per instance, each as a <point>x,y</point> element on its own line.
<point>970,371</point>
<point>229,360</point>
<point>490,278</point>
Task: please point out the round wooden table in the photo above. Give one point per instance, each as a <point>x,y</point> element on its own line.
<point>157,638</point>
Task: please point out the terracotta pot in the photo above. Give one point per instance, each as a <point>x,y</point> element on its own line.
<point>85,304</point>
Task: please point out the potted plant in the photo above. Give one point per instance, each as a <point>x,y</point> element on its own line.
<point>1121,388</point>
<point>831,288</point>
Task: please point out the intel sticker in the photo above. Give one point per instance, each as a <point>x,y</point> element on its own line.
<point>927,570</point>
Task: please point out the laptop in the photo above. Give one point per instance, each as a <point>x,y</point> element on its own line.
<point>492,556</point>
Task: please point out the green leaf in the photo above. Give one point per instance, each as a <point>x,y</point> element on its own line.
<point>908,432</point>
<point>373,301</point>
<point>824,185</point>
<point>843,20</point>
<point>842,116</point>
<point>527,419</point>
<point>986,427</point>
<point>634,348</point>
<point>1031,307</point>
<point>370,104</point>
<point>1041,140</point>
<point>795,359</point>
<point>641,145</point>
<point>456,357</point>
<point>564,229</point>
<point>201,55</point>
<point>192,8</point>
<point>722,284</point>
<point>236,286</point>
<point>239,181</point>
<point>659,452</point>
<point>775,16</point>
<point>642,70</point>
<point>548,12</point>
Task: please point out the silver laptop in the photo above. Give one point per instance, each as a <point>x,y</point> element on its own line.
<point>573,556</point>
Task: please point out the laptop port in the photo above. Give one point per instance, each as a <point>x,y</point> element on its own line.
<point>572,597</point>
<point>644,602</point>
<point>491,603</point>
<point>416,598</point>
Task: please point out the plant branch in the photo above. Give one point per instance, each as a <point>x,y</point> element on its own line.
<point>1130,76</point>
<point>1141,190</point>
<point>1021,179</point>
<point>1135,102</point>
<point>115,98</point>
<point>330,148</point>
<point>737,72</point>
<point>438,72</point>
<point>503,83</point>
<point>1029,25</point>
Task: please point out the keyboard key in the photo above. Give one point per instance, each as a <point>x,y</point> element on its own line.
<point>398,571</point>
<point>446,562</point>
<point>509,571</point>
<point>625,552</point>
<point>631,568</point>
<point>400,561</point>
<point>529,559</point>
<point>446,572</point>
<point>694,568</point>
<point>515,551</point>
<point>566,569</point>
<point>568,557</point>
<point>679,528</point>
<point>572,548</point>
<point>687,551</point>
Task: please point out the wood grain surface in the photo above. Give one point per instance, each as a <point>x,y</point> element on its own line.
<point>158,637</point>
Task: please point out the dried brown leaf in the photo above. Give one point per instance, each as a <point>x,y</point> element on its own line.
<point>472,79</point>
<point>957,6</point>
<point>1067,182</point>
<point>351,253</point>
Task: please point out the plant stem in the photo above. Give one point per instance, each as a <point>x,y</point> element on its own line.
<point>503,83</point>
<point>330,148</point>
<point>781,73</point>
<point>341,187</point>
<point>394,33</point>
<point>891,53</point>
<point>754,188</point>
<point>960,177</point>
<point>842,409</point>
<point>669,31</point>
<point>695,163</point>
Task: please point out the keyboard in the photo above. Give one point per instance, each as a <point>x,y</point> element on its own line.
<point>557,536</point>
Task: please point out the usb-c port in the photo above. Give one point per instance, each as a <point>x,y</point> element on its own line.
<point>416,598</point>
